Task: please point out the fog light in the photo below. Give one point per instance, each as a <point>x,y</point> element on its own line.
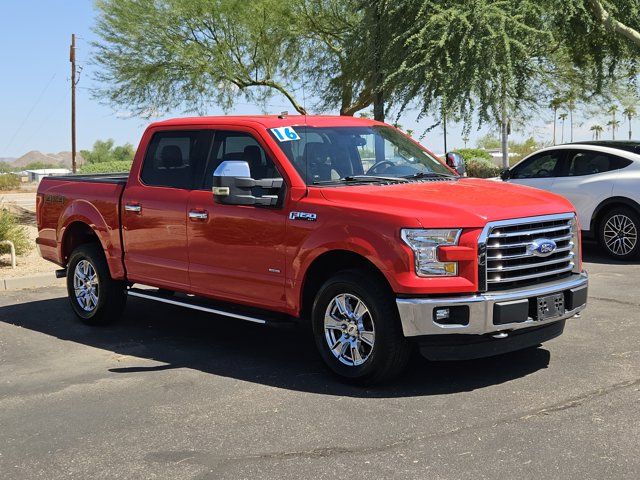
<point>442,314</point>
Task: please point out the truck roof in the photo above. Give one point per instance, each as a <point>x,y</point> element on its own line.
<point>270,121</point>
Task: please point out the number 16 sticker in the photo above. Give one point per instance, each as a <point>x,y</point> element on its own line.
<point>285,134</point>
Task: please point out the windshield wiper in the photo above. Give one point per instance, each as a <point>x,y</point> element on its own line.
<point>428,175</point>
<point>363,179</point>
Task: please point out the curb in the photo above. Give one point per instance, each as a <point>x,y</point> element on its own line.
<point>35,281</point>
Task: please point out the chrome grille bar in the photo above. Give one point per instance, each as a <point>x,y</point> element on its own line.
<point>532,265</point>
<point>508,259</point>
<point>524,244</point>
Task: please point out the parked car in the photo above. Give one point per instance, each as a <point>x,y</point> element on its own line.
<point>341,222</point>
<point>602,181</point>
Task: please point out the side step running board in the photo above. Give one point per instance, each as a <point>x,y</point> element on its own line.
<point>201,305</point>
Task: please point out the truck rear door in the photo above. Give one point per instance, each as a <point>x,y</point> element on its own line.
<point>154,213</point>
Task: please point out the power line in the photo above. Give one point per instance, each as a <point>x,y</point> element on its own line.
<point>13,137</point>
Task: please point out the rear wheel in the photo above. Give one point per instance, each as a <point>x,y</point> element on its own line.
<point>95,297</point>
<point>618,233</point>
<point>357,329</point>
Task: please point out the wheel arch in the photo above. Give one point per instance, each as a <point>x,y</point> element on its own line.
<point>607,205</point>
<point>329,263</point>
<point>77,233</point>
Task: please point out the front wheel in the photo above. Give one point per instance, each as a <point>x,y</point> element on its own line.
<point>357,329</point>
<point>95,297</point>
<point>618,233</point>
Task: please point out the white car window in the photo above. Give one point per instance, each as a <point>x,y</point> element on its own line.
<point>542,165</point>
<point>593,162</point>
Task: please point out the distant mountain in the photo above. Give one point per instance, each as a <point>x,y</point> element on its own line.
<point>7,159</point>
<point>62,159</point>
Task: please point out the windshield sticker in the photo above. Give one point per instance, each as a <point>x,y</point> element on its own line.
<point>285,134</point>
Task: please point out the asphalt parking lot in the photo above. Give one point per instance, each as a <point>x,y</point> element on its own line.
<point>172,394</point>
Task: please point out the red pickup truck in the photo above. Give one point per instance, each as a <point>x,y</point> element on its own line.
<point>343,223</point>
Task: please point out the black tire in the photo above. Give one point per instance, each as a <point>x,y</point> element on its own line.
<point>627,246</point>
<point>390,352</point>
<point>111,294</point>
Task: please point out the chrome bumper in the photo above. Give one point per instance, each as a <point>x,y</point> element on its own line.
<point>417,314</point>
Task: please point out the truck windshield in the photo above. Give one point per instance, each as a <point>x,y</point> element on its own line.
<point>334,155</point>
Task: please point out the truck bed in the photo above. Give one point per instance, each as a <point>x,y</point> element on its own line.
<point>68,205</point>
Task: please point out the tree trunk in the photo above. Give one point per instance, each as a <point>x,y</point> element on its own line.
<point>444,127</point>
<point>505,135</point>
<point>571,125</point>
<point>630,132</point>
<point>378,76</point>
<point>555,116</point>
<point>604,17</point>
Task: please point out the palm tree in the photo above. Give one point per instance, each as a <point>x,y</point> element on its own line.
<point>555,104</point>
<point>630,112</point>
<point>571,105</point>
<point>613,124</point>
<point>563,116</point>
<point>597,131</point>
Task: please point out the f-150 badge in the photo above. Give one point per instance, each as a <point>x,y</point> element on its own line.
<point>309,217</point>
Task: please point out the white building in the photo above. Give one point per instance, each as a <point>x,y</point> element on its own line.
<point>37,175</point>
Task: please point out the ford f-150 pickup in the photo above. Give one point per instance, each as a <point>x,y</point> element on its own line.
<point>343,224</point>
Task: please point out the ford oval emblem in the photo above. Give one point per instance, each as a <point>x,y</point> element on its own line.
<point>542,247</point>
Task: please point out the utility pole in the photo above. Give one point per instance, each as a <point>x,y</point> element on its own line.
<point>72,59</point>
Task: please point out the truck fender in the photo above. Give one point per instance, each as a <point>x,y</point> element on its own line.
<point>372,246</point>
<point>82,211</point>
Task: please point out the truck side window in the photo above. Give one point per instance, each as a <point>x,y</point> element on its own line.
<point>231,145</point>
<point>174,159</point>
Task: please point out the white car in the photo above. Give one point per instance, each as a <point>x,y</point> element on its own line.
<point>601,179</point>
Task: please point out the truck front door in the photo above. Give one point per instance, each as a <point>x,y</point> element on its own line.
<point>236,253</point>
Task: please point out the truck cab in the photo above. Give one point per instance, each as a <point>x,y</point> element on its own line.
<point>341,223</point>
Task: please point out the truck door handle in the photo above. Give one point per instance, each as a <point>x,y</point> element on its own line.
<point>133,207</point>
<point>198,215</point>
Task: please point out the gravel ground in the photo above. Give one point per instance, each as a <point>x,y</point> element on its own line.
<point>27,265</point>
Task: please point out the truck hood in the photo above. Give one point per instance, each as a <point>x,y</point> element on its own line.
<point>466,203</point>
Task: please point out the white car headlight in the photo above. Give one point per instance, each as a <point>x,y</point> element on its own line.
<point>424,244</point>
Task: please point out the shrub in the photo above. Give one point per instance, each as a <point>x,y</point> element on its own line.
<point>469,153</point>
<point>9,181</point>
<point>11,230</point>
<point>481,168</point>
<point>107,167</point>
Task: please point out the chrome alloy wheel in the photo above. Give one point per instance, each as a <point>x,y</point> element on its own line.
<point>85,284</point>
<point>349,329</point>
<point>620,234</point>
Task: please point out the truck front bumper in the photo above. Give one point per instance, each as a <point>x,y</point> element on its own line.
<point>492,314</point>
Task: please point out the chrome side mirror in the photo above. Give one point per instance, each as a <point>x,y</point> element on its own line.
<point>232,185</point>
<point>455,161</point>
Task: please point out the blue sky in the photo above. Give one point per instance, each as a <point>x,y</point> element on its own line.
<point>35,98</point>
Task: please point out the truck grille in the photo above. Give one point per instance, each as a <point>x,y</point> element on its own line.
<point>510,259</point>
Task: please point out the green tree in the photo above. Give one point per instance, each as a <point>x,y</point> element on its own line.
<point>630,112</point>
<point>554,105</point>
<point>476,57</point>
<point>188,54</point>
<point>104,151</point>
<point>563,117</point>
<point>597,131</point>
<point>489,142</point>
<point>613,124</point>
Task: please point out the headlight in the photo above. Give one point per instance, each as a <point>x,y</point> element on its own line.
<point>424,244</point>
